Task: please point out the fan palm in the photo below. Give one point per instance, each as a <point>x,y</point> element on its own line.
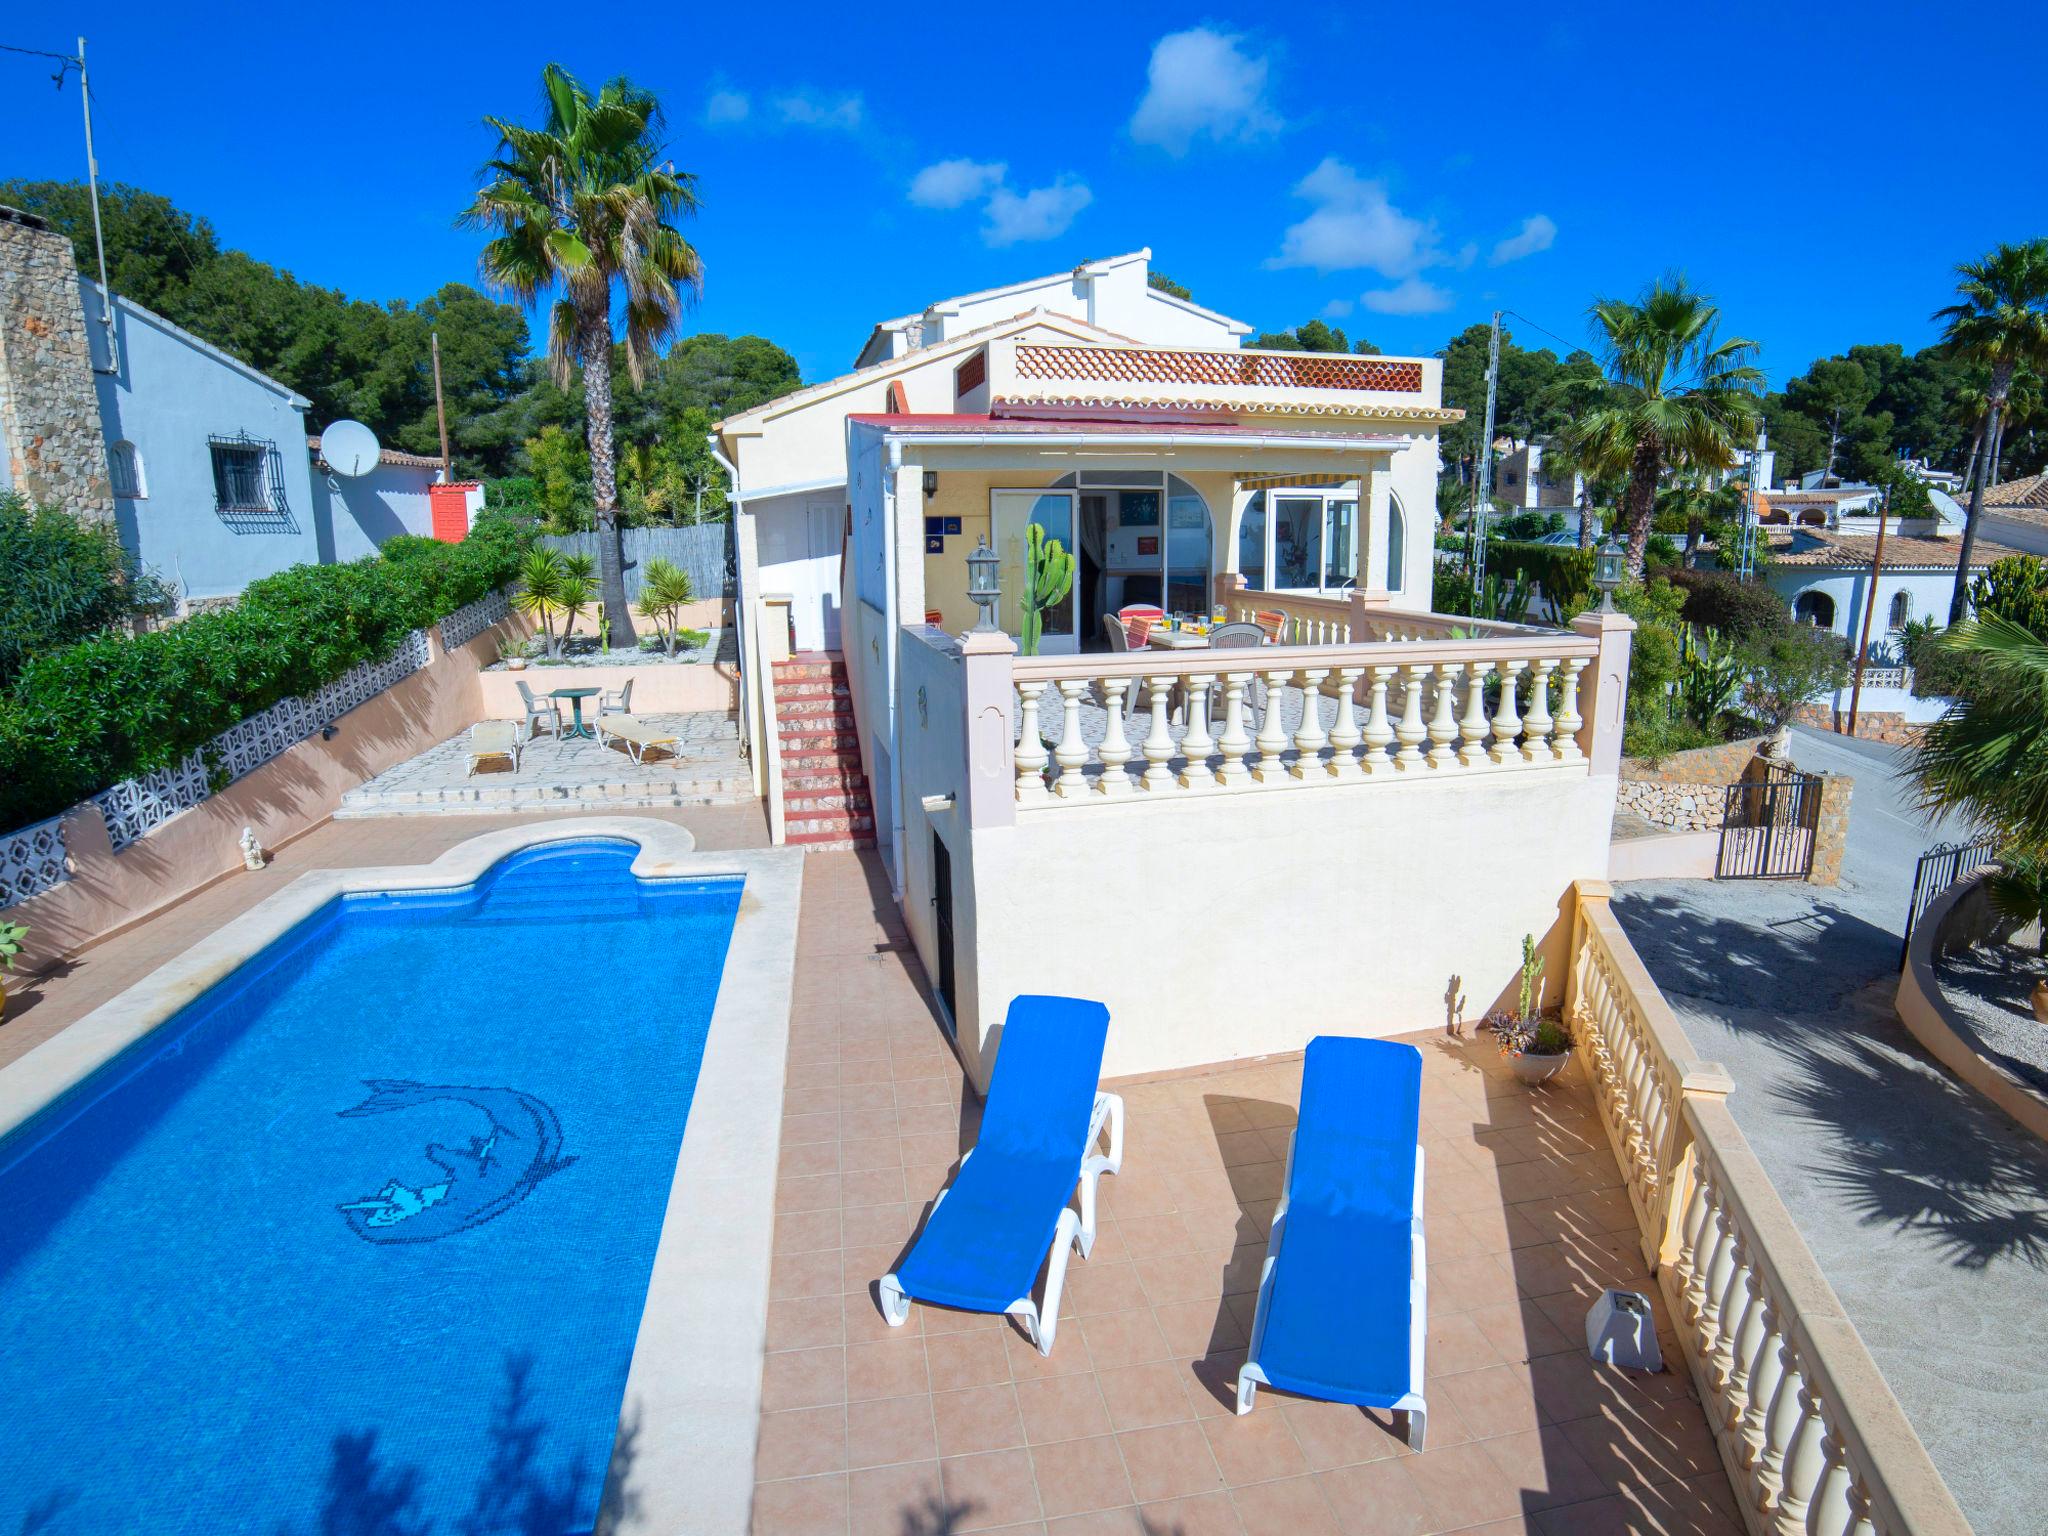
<point>1686,398</point>
<point>1999,321</point>
<point>1987,757</point>
<point>581,208</point>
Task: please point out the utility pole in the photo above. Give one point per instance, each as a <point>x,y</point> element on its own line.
<point>441,410</point>
<point>1869,607</point>
<point>1484,499</point>
<point>1745,540</point>
<point>92,181</point>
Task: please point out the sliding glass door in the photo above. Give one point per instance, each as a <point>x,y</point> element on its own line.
<point>1011,513</point>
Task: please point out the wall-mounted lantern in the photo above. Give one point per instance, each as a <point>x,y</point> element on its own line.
<point>1607,568</point>
<point>982,585</point>
<point>931,484</point>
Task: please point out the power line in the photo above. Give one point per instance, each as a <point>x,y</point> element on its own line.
<point>1575,346</point>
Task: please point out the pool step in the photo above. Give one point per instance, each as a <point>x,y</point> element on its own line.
<point>824,790</point>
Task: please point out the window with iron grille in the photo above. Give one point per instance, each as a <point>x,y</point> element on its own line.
<point>248,483</point>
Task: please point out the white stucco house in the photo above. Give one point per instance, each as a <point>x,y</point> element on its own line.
<point>1523,480</point>
<point>1145,819</point>
<point>2016,513</point>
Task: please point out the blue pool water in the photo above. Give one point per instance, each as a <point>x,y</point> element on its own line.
<point>357,1244</point>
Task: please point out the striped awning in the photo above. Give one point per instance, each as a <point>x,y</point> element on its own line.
<point>1277,482</point>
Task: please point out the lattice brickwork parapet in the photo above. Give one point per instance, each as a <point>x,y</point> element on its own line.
<point>1292,370</point>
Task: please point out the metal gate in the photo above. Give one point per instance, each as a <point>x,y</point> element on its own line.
<point>1768,825</point>
<point>1939,868</point>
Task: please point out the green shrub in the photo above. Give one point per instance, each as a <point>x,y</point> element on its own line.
<point>1938,671</point>
<point>87,715</point>
<point>1564,573</point>
<point>2014,588</point>
<point>62,579</point>
<point>1785,670</point>
<point>1723,601</point>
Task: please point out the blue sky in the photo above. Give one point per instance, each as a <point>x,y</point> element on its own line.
<point>1402,170</point>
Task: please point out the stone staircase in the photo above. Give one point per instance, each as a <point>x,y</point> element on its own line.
<point>824,792</point>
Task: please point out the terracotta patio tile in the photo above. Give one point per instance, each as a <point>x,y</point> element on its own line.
<point>872,1186</point>
<point>798,1129</point>
<point>1256,1448</point>
<point>1457,1343</point>
<point>1295,1507</point>
<point>1076,1476</point>
<point>1062,1408</point>
<point>880,1152</point>
<point>1374,1498</point>
<point>864,1323</point>
<point>891,1367</point>
<point>1208,1514</point>
<point>803,1378</point>
<point>977,1419</point>
<point>1170,1461</point>
<point>1070,1355</point>
<point>1460,1487</point>
<point>1333,1434</point>
<point>1544,1469</point>
<point>1096,1288</point>
<point>803,1442</point>
<point>805,1323</point>
<point>1498,1400</point>
<point>1130,1337</point>
<point>807,1231</point>
<point>990,1490</point>
<point>806,1506</point>
<point>1197,1328</point>
<point>1141,1396</point>
<point>891,1499</point>
<point>972,1359</point>
<point>889,1431</point>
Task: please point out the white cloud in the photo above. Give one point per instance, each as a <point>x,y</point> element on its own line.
<point>727,106</point>
<point>1538,233</point>
<point>1410,296</point>
<point>953,183</point>
<point>1043,213</point>
<point>1199,82</point>
<point>1354,225</point>
<point>1337,309</point>
<point>1467,254</point>
<point>814,109</point>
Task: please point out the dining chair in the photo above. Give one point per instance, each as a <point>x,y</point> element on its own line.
<point>539,708</point>
<point>616,701</point>
<point>1239,635</point>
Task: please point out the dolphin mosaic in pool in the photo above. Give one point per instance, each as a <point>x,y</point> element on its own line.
<point>494,1172</point>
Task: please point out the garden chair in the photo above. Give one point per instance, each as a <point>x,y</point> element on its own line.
<point>616,701</point>
<point>1006,1214</point>
<point>1342,1306</point>
<point>539,709</point>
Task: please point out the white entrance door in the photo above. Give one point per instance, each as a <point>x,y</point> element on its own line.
<point>1012,512</point>
<point>799,553</point>
<point>822,521</point>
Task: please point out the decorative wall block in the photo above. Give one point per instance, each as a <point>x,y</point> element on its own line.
<point>32,860</point>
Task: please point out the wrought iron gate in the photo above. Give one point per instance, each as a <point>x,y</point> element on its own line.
<point>1939,868</point>
<point>1768,826</point>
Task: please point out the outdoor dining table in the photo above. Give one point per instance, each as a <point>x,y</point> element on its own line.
<point>576,696</point>
<point>1176,640</point>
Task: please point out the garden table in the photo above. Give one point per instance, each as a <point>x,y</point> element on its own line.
<point>576,696</point>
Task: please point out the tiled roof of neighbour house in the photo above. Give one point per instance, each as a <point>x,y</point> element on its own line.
<point>1902,551</point>
<point>390,456</point>
<point>2029,491</point>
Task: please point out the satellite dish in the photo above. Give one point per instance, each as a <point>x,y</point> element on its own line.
<point>350,448</point>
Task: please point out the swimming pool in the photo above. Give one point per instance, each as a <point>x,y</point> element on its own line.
<point>359,1240</point>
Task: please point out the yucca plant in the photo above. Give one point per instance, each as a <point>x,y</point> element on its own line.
<point>578,591</point>
<point>539,593</point>
<point>667,592</point>
<point>1710,674</point>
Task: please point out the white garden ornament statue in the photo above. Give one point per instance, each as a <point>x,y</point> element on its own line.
<point>252,851</point>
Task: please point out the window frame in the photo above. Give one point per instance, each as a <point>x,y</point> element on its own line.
<point>135,487</point>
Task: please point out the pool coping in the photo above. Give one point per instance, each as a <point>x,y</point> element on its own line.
<point>684,1457</point>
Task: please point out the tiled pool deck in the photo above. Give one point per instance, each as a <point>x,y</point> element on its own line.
<point>953,1423</point>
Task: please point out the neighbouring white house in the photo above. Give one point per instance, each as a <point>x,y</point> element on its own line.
<point>1825,577</point>
<point>1524,480</point>
<point>1064,822</point>
<point>2016,513</point>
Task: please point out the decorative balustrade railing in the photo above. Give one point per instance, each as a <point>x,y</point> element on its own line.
<point>32,860</point>
<point>132,807</point>
<point>1312,618</point>
<point>1296,715</point>
<point>465,624</point>
<point>1813,1440</point>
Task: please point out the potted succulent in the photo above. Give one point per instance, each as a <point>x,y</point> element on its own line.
<point>513,654</point>
<point>1537,1048</point>
<point>11,936</point>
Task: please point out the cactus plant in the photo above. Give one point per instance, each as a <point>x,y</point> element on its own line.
<point>1048,578</point>
<point>1531,994</point>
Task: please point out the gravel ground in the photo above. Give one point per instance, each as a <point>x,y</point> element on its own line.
<point>1988,988</point>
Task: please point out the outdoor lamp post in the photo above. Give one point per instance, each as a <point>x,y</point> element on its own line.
<point>1607,566</point>
<point>982,585</point>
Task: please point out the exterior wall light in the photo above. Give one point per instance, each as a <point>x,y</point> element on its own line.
<point>931,484</point>
<point>982,585</point>
<point>1607,568</point>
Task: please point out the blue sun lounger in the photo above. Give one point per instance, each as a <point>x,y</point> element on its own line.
<point>1006,1213</point>
<point>1342,1308</point>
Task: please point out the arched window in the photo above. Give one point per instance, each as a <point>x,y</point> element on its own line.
<point>124,470</point>
<point>1397,542</point>
<point>1902,609</point>
<point>1815,608</point>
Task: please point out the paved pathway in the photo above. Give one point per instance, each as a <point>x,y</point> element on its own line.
<point>1927,1208</point>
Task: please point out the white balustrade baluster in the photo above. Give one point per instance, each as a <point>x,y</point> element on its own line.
<point>1749,1334</point>
<point>1310,738</point>
<point>1714,1281</point>
<point>1860,1520</point>
<point>1729,1368</point>
<point>1507,723</point>
<point>1805,1461</point>
<point>1159,739</point>
<point>1378,732</point>
<point>1072,752</point>
<point>1344,735</point>
<point>1569,721</point>
<point>1693,1230</point>
<point>1766,1371</point>
<point>1693,1299</point>
<point>1443,724</point>
<point>1031,754</point>
<point>1234,743</point>
<point>1473,728</point>
<point>1781,1425</point>
<point>1827,1512</point>
<point>1410,732</point>
<point>1196,746</point>
<point>1536,718</point>
<point>1272,740</point>
<point>1115,750</point>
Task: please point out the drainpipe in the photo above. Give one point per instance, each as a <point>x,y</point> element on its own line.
<point>736,503</point>
<point>893,463</point>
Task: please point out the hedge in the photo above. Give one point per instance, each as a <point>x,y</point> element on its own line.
<point>85,716</point>
<point>1563,572</point>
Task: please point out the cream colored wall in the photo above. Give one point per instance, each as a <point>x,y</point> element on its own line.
<point>291,794</point>
<point>657,689</point>
<point>1235,926</point>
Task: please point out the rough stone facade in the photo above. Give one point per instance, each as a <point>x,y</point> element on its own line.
<point>49,409</point>
<point>1684,790</point>
<point>1893,728</point>
<point>1831,832</point>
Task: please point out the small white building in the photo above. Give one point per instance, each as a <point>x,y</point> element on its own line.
<point>1524,481</point>
<point>1825,577</point>
<point>2016,513</point>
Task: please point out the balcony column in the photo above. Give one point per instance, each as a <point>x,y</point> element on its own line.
<point>1443,724</point>
<point>1607,699</point>
<point>1072,752</point>
<point>1234,743</point>
<point>1344,735</point>
<point>1196,745</point>
<point>1159,740</point>
<point>1272,738</point>
<point>1310,738</point>
<point>992,775</point>
<point>1031,754</point>
<point>1378,733</point>
<point>1115,750</point>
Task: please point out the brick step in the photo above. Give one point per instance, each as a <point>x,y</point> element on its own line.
<point>787,708</point>
<point>831,824</point>
<point>795,671</point>
<point>826,842</point>
<point>821,759</point>
<point>814,694</point>
<point>835,728</point>
<point>818,802</point>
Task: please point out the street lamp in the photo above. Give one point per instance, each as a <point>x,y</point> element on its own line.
<point>982,585</point>
<point>1607,568</point>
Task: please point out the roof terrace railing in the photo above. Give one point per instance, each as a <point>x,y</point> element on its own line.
<point>1038,363</point>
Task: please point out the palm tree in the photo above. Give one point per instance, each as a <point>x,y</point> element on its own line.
<point>1999,321</point>
<point>668,591</point>
<point>581,208</point>
<point>1987,757</point>
<point>1686,398</point>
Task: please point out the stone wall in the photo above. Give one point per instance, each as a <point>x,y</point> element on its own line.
<point>49,410</point>
<point>1870,725</point>
<point>1831,832</point>
<point>1685,789</point>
